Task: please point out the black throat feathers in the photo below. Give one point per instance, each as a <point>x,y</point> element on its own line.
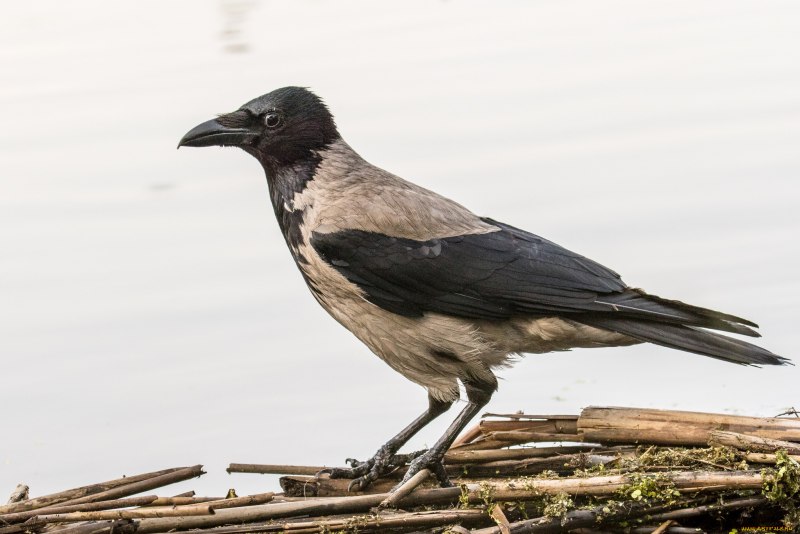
<point>286,181</point>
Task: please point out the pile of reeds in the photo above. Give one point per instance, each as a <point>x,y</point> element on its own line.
<point>615,470</point>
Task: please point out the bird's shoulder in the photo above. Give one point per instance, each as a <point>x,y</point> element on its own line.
<point>352,194</point>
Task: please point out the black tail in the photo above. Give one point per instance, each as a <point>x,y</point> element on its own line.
<point>680,326</point>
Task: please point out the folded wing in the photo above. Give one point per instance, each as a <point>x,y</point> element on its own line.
<point>510,272</point>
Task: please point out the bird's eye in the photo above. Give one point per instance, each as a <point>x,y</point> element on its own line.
<point>273,120</point>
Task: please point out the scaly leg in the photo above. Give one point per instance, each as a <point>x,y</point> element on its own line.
<point>385,460</point>
<point>478,395</point>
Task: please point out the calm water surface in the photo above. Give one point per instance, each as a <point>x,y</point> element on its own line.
<point>150,315</point>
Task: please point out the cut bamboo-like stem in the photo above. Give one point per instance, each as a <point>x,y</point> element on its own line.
<point>75,493</point>
<point>763,458</point>
<point>671,427</point>
<point>606,485</point>
<point>87,507</point>
<point>683,513</point>
<point>567,463</point>
<point>405,489</point>
<point>529,416</point>
<point>498,440</point>
<point>744,442</point>
<point>182,501</point>
<point>467,437</point>
<point>139,513</point>
<point>545,425</point>
<point>521,436</point>
<point>500,518</point>
<point>482,456</point>
<point>120,526</point>
<point>263,512</point>
<point>497,434</point>
<point>270,469</point>
<point>143,485</point>
<point>236,502</point>
<point>214,504</point>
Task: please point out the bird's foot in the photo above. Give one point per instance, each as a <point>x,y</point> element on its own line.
<point>431,460</point>
<point>365,473</point>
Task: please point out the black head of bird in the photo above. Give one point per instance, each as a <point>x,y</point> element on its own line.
<point>442,295</point>
<point>277,128</point>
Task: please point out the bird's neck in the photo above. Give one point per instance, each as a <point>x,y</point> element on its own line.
<point>285,183</point>
<point>292,192</point>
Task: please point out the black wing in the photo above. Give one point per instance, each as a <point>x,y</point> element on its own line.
<point>511,272</point>
<point>486,276</point>
<point>480,276</point>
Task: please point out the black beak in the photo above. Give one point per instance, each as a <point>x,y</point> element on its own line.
<point>213,133</point>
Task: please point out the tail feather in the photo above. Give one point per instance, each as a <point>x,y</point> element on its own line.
<point>688,338</point>
<point>637,304</point>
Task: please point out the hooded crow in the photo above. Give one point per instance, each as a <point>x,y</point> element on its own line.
<point>442,295</point>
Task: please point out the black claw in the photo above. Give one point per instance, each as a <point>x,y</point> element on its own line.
<point>363,474</point>
<point>355,485</point>
<point>349,472</point>
<point>427,461</point>
<point>360,472</point>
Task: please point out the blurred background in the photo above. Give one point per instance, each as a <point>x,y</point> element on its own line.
<point>151,316</point>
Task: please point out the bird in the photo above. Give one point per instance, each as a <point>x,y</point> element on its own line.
<point>445,297</point>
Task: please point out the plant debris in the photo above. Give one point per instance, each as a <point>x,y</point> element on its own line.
<point>607,469</point>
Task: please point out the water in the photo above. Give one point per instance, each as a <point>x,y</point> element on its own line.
<point>151,316</point>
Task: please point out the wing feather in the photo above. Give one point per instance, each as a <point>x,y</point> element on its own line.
<point>509,272</point>
<point>483,276</point>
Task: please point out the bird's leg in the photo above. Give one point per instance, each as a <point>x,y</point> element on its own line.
<point>478,395</point>
<point>364,473</point>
